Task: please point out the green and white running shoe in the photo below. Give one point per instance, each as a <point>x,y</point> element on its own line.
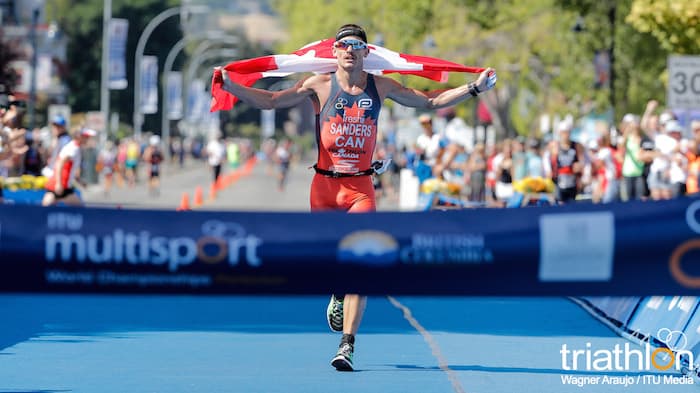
<point>343,359</point>
<point>334,314</point>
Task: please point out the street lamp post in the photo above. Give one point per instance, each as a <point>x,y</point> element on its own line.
<point>190,92</point>
<point>200,114</point>
<point>32,81</point>
<point>200,49</point>
<point>104,86</point>
<point>203,57</point>
<point>140,46</point>
<point>197,53</point>
<point>167,68</point>
<point>220,54</point>
<point>612,13</point>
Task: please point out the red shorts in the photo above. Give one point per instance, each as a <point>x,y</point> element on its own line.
<point>350,194</point>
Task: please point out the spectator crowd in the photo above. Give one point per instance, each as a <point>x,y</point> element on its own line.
<point>648,156</point>
<point>107,162</point>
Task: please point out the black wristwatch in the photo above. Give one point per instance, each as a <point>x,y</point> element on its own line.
<point>474,90</point>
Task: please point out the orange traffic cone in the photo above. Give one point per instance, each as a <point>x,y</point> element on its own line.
<point>212,191</point>
<point>220,183</point>
<point>184,203</point>
<point>198,196</point>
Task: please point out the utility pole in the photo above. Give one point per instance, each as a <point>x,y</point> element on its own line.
<point>104,85</point>
<point>32,82</point>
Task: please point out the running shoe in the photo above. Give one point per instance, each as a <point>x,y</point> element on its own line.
<point>343,359</point>
<point>334,313</point>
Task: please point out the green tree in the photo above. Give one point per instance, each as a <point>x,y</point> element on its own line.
<point>541,66</point>
<point>675,24</point>
<point>543,50</point>
<point>540,63</point>
<point>645,33</point>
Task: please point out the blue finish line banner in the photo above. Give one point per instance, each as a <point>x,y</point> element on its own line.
<point>630,249</point>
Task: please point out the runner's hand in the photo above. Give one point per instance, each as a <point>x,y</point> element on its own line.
<point>652,105</point>
<point>218,76</point>
<point>221,77</point>
<point>487,80</point>
<point>380,166</point>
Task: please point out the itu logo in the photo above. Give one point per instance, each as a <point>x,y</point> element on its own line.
<point>220,242</point>
<point>341,103</point>
<point>226,239</point>
<point>630,357</point>
<point>374,248</point>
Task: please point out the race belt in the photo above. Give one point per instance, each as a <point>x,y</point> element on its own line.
<point>335,174</point>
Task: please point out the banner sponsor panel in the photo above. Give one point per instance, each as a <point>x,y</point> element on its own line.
<point>149,85</point>
<point>118,32</point>
<point>466,252</point>
<point>174,92</point>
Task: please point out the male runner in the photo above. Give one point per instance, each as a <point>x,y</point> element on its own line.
<point>153,156</point>
<point>347,104</point>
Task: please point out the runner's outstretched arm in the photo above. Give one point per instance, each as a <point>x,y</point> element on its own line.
<point>264,99</point>
<point>440,98</point>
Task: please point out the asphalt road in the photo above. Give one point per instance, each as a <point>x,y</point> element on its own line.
<point>253,191</point>
<point>256,190</point>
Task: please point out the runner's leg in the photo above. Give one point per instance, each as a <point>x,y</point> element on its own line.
<point>353,310</point>
<point>363,201</point>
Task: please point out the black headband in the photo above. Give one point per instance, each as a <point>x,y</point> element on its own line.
<point>348,31</point>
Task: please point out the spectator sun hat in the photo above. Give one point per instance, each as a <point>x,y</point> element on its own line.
<point>665,118</point>
<point>88,132</point>
<point>59,120</point>
<point>674,126</point>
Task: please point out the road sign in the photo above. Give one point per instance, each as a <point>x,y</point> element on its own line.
<point>683,82</point>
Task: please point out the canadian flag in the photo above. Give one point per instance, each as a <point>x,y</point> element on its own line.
<point>318,57</point>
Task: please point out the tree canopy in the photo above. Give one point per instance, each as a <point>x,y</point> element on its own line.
<point>675,24</point>
<point>543,50</point>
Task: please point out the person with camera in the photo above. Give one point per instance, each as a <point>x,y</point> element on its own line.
<point>12,136</point>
